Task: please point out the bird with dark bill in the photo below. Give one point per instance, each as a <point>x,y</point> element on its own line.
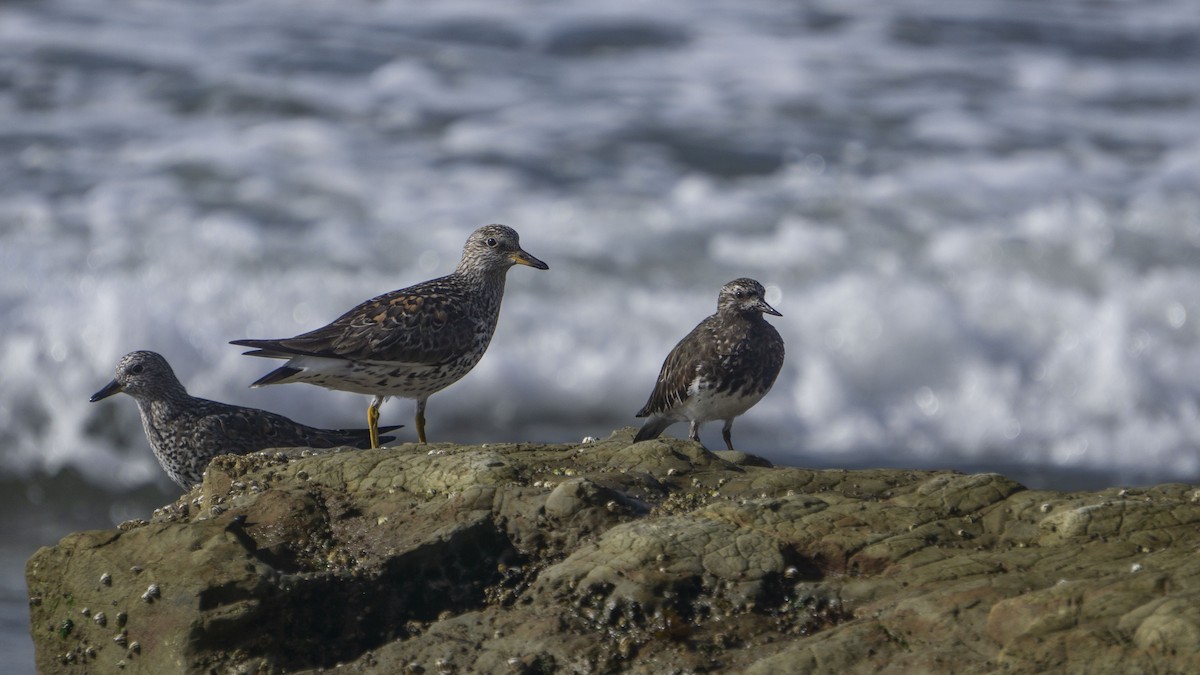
<point>186,432</point>
<point>412,342</point>
<point>720,369</point>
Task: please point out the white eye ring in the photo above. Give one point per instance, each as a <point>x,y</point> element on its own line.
<point>491,241</point>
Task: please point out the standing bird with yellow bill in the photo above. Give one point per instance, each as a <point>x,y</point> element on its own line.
<point>410,343</point>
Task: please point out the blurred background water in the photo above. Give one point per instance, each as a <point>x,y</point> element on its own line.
<point>980,220</point>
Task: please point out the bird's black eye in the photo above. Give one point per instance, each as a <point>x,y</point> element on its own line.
<point>136,369</point>
<point>738,294</point>
<point>491,241</point>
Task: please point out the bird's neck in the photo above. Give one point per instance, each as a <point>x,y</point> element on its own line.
<point>731,315</point>
<point>487,282</point>
<point>474,268</point>
<point>165,406</point>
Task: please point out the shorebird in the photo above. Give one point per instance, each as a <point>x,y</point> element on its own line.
<point>720,369</point>
<point>412,342</point>
<point>186,432</point>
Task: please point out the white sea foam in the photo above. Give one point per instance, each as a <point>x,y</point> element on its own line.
<point>984,246</point>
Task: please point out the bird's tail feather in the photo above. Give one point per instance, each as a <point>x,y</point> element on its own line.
<point>361,438</point>
<point>277,376</point>
<point>652,428</point>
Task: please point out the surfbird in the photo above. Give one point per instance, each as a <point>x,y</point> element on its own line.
<point>720,369</point>
<point>186,432</point>
<point>412,342</point>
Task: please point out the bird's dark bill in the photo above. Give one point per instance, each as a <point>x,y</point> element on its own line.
<point>109,389</point>
<point>523,258</point>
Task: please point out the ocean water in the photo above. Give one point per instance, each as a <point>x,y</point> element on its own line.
<point>981,222</point>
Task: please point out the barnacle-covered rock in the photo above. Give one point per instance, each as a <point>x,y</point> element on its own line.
<point>611,556</point>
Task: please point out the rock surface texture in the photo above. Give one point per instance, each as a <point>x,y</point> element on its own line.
<point>610,556</point>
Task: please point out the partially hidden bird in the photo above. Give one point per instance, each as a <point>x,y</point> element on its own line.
<point>186,432</point>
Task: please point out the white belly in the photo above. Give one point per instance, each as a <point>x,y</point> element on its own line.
<point>378,378</point>
<point>706,404</point>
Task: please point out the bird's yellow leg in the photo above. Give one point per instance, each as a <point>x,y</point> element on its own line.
<point>373,420</point>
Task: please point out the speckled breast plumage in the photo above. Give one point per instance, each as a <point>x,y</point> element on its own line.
<point>186,434</point>
<point>720,370</point>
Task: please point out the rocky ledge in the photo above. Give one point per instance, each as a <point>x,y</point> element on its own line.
<point>610,556</point>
